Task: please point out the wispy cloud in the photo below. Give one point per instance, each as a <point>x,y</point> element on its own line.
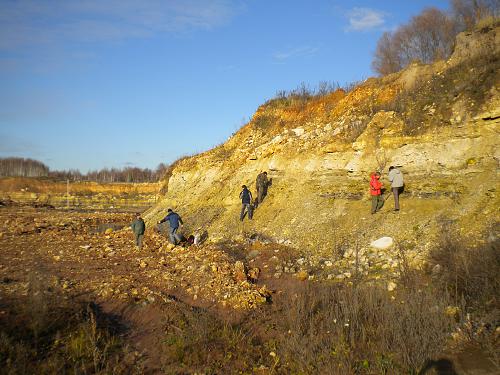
<point>295,52</point>
<point>38,22</point>
<point>364,19</point>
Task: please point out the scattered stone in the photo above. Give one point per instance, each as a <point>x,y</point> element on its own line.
<point>240,272</point>
<point>253,274</point>
<point>253,254</point>
<point>391,285</point>
<point>302,275</point>
<point>436,270</point>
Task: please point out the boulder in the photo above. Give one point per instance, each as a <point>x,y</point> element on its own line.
<point>382,243</point>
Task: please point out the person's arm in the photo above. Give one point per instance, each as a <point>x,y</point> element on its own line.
<point>162,220</point>
<point>250,193</point>
<point>180,220</point>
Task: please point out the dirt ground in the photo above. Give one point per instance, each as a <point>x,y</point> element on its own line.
<point>91,256</point>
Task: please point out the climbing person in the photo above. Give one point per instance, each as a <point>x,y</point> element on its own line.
<point>174,220</point>
<point>246,203</point>
<point>138,228</point>
<point>396,179</point>
<point>261,185</point>
<point>376,192</point>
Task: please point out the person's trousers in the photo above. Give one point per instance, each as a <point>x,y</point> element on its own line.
<point>377,203</point>
<point>246,207</point>
<point>395,192</point>
<point>261,193</point>
<point>138,240</point>
<point>173,236</point>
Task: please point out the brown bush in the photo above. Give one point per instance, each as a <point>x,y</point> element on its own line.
<point>341,329</point>
<point>467,272</point>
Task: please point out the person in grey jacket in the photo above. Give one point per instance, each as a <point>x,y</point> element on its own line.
<point>138,228</point>
<point>396,179</point>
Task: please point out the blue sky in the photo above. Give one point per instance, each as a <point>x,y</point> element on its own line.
<point>94,83</point>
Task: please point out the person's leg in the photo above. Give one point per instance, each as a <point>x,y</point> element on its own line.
<point>260,194</point>
<point>395,191</point>
<point>374,203</point>
<point>177,236</point>
<point>136,239</point>
<point>242,214</point>
<point>139,240</point>
<point>171,236</point>
<point>380,202</point>
<point>250,211</point>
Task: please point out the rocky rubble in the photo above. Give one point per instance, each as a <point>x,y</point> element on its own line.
<point>108,264</point>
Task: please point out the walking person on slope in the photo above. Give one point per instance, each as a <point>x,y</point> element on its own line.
<point>396,179</point>
<point>261,185</point>
<point>376,193</point>
<point>174,220</point>
<point>138,228</point>
<point>246,203</point>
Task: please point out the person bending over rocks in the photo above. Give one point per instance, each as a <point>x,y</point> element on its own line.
<point>376,192</point>
<point>246,203</point>
<point>138,228</point>
<point>397,183</point>
<point>174,221</point>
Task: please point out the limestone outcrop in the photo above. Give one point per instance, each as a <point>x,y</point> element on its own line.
<point>438,122</point>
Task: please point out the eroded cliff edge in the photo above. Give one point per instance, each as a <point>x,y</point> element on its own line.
<point>439,122</point>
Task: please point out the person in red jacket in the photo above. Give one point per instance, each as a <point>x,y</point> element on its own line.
<point>376,193</point>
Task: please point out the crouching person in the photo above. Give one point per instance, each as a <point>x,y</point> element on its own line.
<point>138,228</point>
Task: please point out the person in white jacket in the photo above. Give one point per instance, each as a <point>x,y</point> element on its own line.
<point>396,179</point>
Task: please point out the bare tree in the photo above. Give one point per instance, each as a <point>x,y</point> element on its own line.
<point>469,12</point>
<point>428,37</point>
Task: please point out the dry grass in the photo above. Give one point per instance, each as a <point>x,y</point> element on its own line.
<point>46,334</point>
<point>341,329</point>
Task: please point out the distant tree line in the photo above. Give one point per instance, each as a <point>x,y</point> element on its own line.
<point>430,36</point>
<point>20,167</point>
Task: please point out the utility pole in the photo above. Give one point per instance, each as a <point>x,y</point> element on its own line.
<point>67,193</point>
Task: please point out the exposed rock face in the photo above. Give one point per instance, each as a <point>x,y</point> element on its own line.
<point>439,123</point>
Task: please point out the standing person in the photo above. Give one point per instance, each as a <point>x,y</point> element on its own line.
<point>174,220</point>
<point>246,202</point>
<point>396,179</point>
<point>375,191</point>
<point>261,185</point>
<point>138,228</point>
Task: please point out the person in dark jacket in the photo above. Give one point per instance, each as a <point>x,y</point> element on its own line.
<point>376,192</point>
<point>174,221</point>
<point>397,183</point>
<point>261,185</point>
<point>138,228</point>
<point>246,203</point>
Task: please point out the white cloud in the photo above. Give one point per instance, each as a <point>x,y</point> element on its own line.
<point>29,22</point>
<point>295,52</point>
<point>363,19</point>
